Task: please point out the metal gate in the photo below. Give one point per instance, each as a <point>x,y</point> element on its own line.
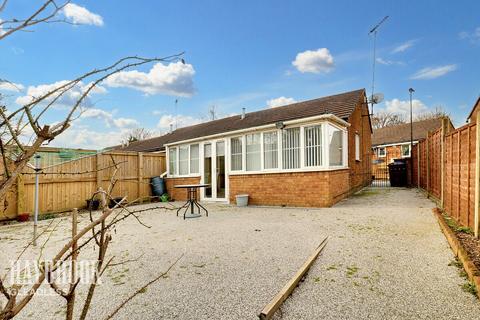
<point>380,160</point>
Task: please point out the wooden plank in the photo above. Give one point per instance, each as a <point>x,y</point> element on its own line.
<point>442,163</point>
<point>20,195</point>
<point>468,177</point>
<point>276,302</point>
<point>140,176</point>
<point>427,163</point>
<point>459,162</point>
<point>477,179</point>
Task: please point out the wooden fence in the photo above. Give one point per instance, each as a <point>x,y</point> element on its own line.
<point>447,164</point>
<point>70,184</point>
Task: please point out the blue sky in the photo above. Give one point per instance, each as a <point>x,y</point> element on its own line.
<point>245,54</point>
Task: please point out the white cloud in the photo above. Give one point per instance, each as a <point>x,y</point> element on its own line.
<point>473,36</point>
<point>402,107</point>
<point>404,46</point>
<point>433,72</point>
<point>11,86</point>
<point>68,99</point>
<point>387,62</point>
<point>109,118</point>
<point>280,101</point>
<point>318,61</point>
<point>85,137</point>
<point>182,121</point>
<point>81,15</point>
<point>173,79</point>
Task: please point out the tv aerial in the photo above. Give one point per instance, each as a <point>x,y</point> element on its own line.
<point>376,98</point>
<point>374,31</point>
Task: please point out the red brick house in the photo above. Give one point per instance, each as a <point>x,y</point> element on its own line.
<point>312,153</point>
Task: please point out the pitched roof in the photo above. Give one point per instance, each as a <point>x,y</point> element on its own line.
<point>341,105</point>
<point>401,133</point>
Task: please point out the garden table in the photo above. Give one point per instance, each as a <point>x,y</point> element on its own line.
<point>192,200</point>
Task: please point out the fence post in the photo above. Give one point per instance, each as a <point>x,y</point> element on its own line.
<point>418,165</point>
<point>477,178</point>
<point>140,176</point>
<point>427,162</point>
<point>99,177</point>
<point>20,194</point>
<point>442,163</point>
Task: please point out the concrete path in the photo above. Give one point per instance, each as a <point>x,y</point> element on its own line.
<point>389,261</point>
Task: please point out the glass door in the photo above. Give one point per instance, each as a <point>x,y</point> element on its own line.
<point>214,170</point>
<point>207,169</point>
<point>220,169</point>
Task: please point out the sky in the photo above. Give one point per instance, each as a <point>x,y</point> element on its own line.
<point>252,54</point>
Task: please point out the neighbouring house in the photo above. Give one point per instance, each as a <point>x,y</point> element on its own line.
<point>393,142</point>
<point>472,117</point>
<point>312,153</point>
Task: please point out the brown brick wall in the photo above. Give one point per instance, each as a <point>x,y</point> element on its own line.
<point>180,194</point>
<point>360,171</point>
<point>301,189</point>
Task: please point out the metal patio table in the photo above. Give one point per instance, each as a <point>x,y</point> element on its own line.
<point>192,191</point>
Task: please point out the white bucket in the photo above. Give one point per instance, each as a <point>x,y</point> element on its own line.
<point>242,200</point>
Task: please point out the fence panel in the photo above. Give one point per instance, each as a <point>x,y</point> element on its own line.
<point>70,184</point>
<point>458,171</point>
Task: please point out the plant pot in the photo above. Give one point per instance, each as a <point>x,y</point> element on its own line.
<point>93,204</point>
<point>114,201</point>
<point>23,217</point>
<point>242,200</point>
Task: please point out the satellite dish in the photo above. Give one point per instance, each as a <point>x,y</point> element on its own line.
<point>377,98</point>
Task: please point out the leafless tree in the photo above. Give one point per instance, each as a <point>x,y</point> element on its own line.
<point>385,119</point>
<point>137,134</point>
<point>438,112</point>
<point>16,123</point>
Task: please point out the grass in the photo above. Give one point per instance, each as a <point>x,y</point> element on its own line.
<point>351,271</point>
<point>452,224</point>
<point>470,288</point>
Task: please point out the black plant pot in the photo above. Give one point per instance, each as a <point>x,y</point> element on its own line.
<point>114,201</point>
<point>93,204</point>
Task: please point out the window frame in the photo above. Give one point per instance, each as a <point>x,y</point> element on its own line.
<point>357,147</point>
<point>325,166</point>
<point>381,155</point>
<point>409,150</point>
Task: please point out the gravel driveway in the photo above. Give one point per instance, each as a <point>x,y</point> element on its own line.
<point>386,259</point>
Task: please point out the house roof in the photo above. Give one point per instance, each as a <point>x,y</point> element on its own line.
<point>477,104</point>
<point>401,133</point>
<point>341,105</point>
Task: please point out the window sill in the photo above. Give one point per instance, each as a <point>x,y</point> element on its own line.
<point>197,175</point>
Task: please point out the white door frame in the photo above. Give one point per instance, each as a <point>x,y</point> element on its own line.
<point>213,144</point>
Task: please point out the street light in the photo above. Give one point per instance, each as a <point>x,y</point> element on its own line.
<point>411,91</point>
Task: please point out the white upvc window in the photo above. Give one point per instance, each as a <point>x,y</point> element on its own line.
<point>270,150</point>
<point>236,154</point>
<point>291,148</point>
<point>335,146</point>
<point>253,152</point>
<point>313,146</point>
<point>172,161</point>
<point>183,160</point>
<point>382,152</point>
<point>194,159</point>
<point>357,147</point>
<point>406,150</point>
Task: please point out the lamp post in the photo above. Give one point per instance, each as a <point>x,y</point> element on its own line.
<point>411,91</point>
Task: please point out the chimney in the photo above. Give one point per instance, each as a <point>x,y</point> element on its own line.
<point>171,127</point>
<point>243,114</point>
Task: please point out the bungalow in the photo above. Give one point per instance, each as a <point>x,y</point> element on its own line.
<point>312,153</point>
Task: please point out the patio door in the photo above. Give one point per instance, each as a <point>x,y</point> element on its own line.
<point>214,171</point>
